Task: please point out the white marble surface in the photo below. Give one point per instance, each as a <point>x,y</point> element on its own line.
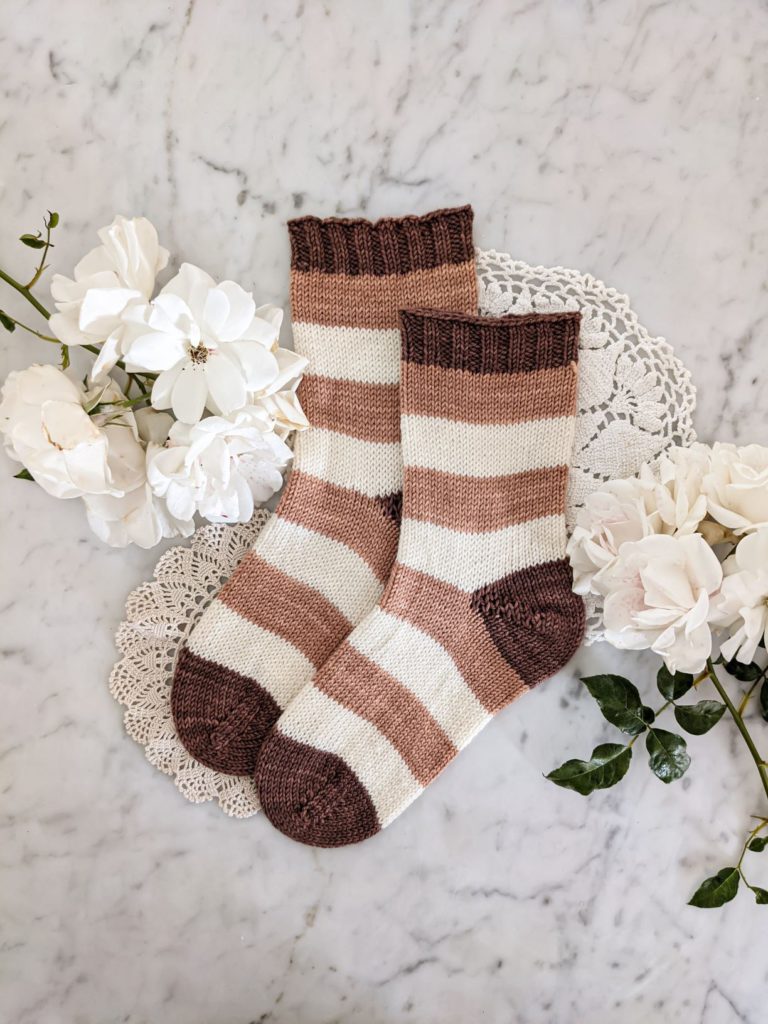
<point>629,139</point>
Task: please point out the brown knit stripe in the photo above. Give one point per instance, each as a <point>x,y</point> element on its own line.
<point>444,613</point>
<point>478,504</point>
<point>344,515</point>
<point>392,245</point>
<point>359,685</point>
<point>511,344</point>
<point>369,412</point>
<point>277,602</point>
<point>430,390</point>
<point>221,716</point>
<point>534,618</point>
<point>341,300</point>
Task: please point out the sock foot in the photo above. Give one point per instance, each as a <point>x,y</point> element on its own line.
<point>221,716</point>
<point>312,796</point>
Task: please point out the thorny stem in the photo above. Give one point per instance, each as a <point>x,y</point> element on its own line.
<point>23,289</point>
<point>41,266</point>
<point>746,698</point>
<point>754,752</point>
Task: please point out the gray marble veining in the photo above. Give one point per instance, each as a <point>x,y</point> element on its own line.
<point>623,137</point>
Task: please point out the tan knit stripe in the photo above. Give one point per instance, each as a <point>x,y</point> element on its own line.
<point>444,613</point>
<point>472,560</point>
<point>477,504</point>
<point>322,563</point>
<point>321,722</point>
<point>350,353</point>
<point>419,662</point>
<point>344,515</point>
<point>242,646</point>
<point>361,686</point>
<point>372,301</point>
<point>275,601</point>
<point>370,412</point>
<point>429,390</point>
<point>480,449</point>
<point>373,468</point>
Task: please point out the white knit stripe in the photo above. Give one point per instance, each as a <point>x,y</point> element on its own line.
<point>317,720</point>
<point>350,353</point>
<point>426,669</point>
<point>471,560</point>
<point>373,468</point>
<point>330,567</point>
<point>236,643</point>
<point>480,449</point>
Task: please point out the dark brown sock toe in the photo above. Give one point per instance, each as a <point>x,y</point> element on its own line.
<point>312,796</point>
<point>221,717</point>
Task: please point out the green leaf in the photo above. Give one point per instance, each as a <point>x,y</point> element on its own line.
<point>761,895</point>
<point>699,718</point>
<point>744,673</point>
<point>23,474</point>
<point>717,890</point>
<point>758,844</point>
<point>53,220</point>
<point>620,703</point>
<point>668,756</point>
<point>33,241</point>
<point>607,766</point>
<point>673,685</point>
<point>764,699</point>
<point>6,321</point>
<point>65,357</point>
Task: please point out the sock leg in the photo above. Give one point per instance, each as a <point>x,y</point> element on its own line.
<point>479,606</point>
<point>322,561</point>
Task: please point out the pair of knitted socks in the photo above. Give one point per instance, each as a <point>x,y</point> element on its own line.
<point>412,581</point>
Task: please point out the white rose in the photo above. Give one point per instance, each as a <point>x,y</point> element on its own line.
<point>677,491</point>
<point>737,487</point>
<point>68,452</point>
<point>139,516</point>
<point>209,343</point>
<point>118,273</point>
<point>742,605</point>
<point>621,511</point>
<point>658,596</point>
<point>219,466</point>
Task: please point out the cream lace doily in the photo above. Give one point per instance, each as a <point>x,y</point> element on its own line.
<point>635,399</point>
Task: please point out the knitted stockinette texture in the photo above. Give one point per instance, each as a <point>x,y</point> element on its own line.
<point>479,606</point>
<point>323,559</point>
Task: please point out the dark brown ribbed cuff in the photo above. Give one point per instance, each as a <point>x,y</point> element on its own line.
<point>508,344</point>
<point>392,245</point>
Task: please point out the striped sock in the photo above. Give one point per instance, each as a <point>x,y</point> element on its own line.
<point>479,606</point>
<point>321,563</point>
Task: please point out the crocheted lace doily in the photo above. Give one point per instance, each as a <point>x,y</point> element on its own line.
<point>635,399</point>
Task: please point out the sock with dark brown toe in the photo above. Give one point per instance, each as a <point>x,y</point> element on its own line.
<point>322,561</point>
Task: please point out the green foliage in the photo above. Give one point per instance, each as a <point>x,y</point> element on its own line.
<point>607,766</point>
<point>8,324</point>
<point>717,890</point>
<point>671,685</point>
<point>667,755</point>
<point>620,703</point>
<point>758,844</point>
<point>699,718</point>
<point>33,241</point>
<point>744,673</point>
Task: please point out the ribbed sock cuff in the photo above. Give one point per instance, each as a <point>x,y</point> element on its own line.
<point>509,344</point>
<point>392,245</point>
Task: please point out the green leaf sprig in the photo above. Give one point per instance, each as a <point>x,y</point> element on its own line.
<point>620,702</point>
